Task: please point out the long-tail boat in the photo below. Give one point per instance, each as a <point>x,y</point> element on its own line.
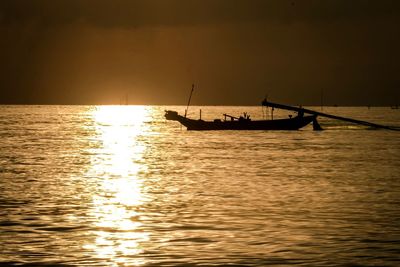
<point>245,123</point>
<point>241,123</point>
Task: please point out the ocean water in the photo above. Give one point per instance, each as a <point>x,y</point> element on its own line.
<point>121,186</point>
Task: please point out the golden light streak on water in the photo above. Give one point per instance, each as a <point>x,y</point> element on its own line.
<point>116,164</point>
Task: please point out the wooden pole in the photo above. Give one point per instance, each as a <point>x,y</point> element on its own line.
<point>272,113</point>
<point>190,97</point>
<point>309,111</point>
<point>322,99</point>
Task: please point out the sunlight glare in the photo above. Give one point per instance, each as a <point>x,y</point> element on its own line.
<point>117,165</point>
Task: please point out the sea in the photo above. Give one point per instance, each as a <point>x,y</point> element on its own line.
<point>122,186</point>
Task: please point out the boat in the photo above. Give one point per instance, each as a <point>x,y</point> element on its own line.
<point>241,123</point>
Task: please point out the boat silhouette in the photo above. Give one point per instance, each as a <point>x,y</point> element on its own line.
<point>240,123</point>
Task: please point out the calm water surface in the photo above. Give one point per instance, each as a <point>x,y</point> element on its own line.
<point>121,186</point>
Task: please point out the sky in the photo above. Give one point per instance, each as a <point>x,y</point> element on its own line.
<point>235,52</point>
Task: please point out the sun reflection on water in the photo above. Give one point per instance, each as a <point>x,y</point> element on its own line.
<point>117,164</point>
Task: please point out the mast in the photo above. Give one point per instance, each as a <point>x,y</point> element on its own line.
<point>190,97</point>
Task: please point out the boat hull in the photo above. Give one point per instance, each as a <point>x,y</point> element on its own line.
<point>280,124</point>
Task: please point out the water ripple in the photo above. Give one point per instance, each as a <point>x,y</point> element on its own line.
<point>120,186</point>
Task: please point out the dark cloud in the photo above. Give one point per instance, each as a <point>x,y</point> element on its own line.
<point>134,13</point>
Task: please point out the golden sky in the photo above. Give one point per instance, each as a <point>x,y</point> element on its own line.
<point>235,51</point>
